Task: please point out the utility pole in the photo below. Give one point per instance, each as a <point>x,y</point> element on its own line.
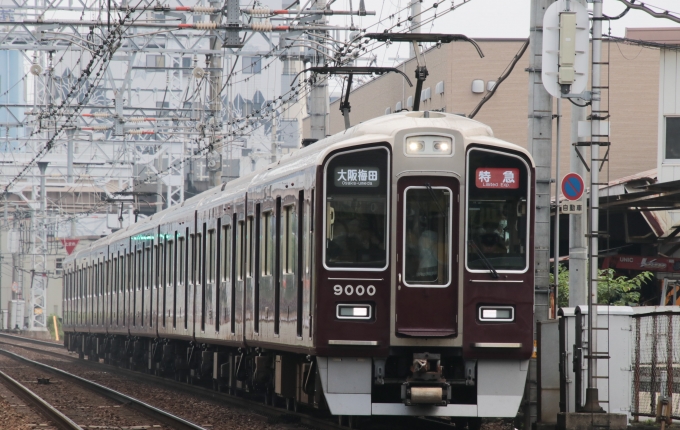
<point>38,307</point>
<point>592,403</point>
<point>318,97</point>
<point>540,146</point>
<point>578,245</point>
<point>215,120</point>
<point>415,25</point>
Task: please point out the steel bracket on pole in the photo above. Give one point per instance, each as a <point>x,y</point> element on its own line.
<point>586,95</point>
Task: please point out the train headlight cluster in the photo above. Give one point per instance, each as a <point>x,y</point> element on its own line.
<point>497,313</point>
<point>428,146</point>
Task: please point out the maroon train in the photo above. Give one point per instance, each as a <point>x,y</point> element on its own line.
<point>385,270</point>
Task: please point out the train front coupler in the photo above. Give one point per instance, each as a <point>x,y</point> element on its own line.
<point>427,385</point>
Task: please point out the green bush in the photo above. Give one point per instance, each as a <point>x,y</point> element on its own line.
<point>611,289</point>
<point>50,327</point>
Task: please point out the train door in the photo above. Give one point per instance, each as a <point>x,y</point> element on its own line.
<point>224,299</point>
<point>427,270</point>
<point>240,263</point>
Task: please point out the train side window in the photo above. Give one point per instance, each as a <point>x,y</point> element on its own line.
<point>226,253</point>
<point>181,246</point>
<point>266,247</point>
<point>497,221</point>
<point>211,256</point>
<point>288,239</point>
<point>199,262</point>
<point>171,263</point>
<point>191,264</point>
<point>239,251</point>
<point>139,271</point>
<point>249,247</point>
<point>148,268</point>
<point>160,260</point>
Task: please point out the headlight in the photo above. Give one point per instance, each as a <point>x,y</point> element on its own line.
<point>428,146</point>
<point>415,146</point>
<point>442,147</point>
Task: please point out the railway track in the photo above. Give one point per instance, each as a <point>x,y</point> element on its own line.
<point>48,411</point>
<point>273,413</point>
<point>62,421</point>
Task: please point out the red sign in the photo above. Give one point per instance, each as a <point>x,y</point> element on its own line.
<point>635,262</point>
<point>497,177</point>
<point>70,244</point>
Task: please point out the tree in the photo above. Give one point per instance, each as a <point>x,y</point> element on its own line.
<point>611,289</point>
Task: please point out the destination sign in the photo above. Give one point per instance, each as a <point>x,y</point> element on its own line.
<point>356,176</point>
<point>497,177</point>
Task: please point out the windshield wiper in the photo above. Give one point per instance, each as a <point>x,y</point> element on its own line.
<point>434,196</point>
<point>485,260</point>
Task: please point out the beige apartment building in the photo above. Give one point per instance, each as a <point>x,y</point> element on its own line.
<point>633,98</point>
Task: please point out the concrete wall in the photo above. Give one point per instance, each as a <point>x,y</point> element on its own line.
<point>633,98</point>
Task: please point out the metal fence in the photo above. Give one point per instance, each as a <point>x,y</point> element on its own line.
<point>656,364</point>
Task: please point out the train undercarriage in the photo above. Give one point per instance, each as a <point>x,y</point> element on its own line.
<point>407,382</point>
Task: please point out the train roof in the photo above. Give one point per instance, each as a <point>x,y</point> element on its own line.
<point>380,129</point>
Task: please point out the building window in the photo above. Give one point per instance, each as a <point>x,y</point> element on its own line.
<point>155,61</point>
<point>672,137</point>
<point>252,65</point>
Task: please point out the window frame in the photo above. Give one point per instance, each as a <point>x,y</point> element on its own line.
<point>450,241</point>
<point>466,210</point>
<point>665,140</point>
<point>388,207</point>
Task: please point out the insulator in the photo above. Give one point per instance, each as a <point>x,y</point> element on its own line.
<point>258,11</point>
<point>204,10</point>
<point>206,25</point>
<point>101,114</point>
<point>262,26</point>
<point>136,119</point>
<point>101,127</point>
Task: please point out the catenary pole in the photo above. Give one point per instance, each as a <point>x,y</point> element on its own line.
<point>556,227</point>
<point>578,245</point>
<point>415,24</point>
<point>592,398</point>
<point>318,97</point>
<point>540,146</point>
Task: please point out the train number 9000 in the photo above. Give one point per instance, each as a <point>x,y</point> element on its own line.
<point>349,290</point>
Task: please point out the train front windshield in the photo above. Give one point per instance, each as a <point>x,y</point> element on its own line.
<point>356,210</point>
<point>497,229</point>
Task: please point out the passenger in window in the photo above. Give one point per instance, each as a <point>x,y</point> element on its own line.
<point>365,244</point>
<point>339,248</point>
<point>427,249</point>
<point>491,239</point>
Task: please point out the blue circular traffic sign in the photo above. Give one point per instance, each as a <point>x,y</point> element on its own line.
<point>573,186</point>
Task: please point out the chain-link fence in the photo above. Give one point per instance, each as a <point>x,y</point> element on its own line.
<point>656,363</point>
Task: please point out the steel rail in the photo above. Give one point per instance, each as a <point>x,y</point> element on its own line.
<point>163,416</point>
<point>60,420</point>
<point>320,423</point>
<point>31,340</point>
<point>258,408</point>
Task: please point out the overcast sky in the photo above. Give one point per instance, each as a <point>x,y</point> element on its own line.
<point>486,18</point>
